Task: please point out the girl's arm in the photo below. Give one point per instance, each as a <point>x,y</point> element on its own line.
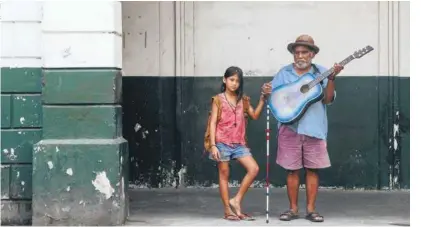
<point>214,116</point>
<point>255,113</point>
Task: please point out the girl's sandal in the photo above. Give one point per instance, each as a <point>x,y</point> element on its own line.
<point>231,217</point>
<point>288,216</point>
<point>246,217</point>
<point>314,217</point>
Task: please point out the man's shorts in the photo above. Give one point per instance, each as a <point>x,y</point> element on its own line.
<point>296,151</point>
<point>231,152</point>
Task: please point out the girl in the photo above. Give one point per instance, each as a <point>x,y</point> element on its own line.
<point>228,138</point>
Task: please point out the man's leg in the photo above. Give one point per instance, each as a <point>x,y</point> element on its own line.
<point>293,186</point>
<point>312,186</point>
<point>315,157</point>
<point>289,156</point>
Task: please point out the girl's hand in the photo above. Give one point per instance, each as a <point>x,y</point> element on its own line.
<point>215,153</point>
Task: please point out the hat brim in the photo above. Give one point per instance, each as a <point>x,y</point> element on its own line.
<point>292,46</point>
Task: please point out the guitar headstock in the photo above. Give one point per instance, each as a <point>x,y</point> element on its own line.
<point>363,51</point>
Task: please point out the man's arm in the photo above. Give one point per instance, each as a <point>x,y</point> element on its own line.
<point>329,90</point>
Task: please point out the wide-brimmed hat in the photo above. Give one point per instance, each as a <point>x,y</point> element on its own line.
<point>303,40</point>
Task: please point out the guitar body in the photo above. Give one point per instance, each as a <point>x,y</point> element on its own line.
<point>289,102</point>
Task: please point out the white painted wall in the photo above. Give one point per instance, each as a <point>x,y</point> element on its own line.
<point>210,36</point>
<point>82,34</point>
<point>149,42</point>
<point>21,34</point>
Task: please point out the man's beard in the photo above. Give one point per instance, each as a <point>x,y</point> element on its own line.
<point>302,64</point>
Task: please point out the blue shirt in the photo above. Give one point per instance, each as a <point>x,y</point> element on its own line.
<point>314,122</point>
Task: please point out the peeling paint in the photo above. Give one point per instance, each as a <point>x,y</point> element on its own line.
<point>181,174</point>
<point>11,155</point>
<point>57,150</point>
<point>22,183</point>
<point>69,171</point>
<point>122,188</point>
<point>137,127</point>
<point>37,149</point>
<point>17,174</point>
<point>68,188</point>
<point>50,164</point>
<point>22,120</point>
<point>102,184</point>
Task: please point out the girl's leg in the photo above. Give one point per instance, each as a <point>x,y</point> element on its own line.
<point>223,168</point>
<point>252,169</point>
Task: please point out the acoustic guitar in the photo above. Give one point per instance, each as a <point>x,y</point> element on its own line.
<point>289,102</point>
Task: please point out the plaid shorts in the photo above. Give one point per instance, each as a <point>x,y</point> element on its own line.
<point>296,151</point>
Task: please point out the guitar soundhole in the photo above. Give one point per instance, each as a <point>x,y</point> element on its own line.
<point>305,88</point>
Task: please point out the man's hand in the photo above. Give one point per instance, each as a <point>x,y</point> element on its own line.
<point>266,89</point>
<point>337,68</point>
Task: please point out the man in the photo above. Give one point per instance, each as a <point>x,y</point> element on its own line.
<point>303,144</point>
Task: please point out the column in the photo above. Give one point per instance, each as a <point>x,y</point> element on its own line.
<point>79,166</point>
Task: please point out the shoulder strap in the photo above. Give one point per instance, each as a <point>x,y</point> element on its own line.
<point>218,104</point>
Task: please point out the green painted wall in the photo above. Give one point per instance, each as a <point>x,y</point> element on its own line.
<point>21,128</point>
<point>79,167</point>
<point>167,148</point>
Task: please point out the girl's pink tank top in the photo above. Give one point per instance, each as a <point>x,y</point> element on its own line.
<point>231,128</point>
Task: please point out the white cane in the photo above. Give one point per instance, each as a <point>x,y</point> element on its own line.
<point>267,163</point>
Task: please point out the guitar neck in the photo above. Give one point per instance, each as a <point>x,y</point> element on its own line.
<point>330,71</point>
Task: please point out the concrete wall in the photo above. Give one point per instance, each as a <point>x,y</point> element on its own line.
<point>175,53</point>
<point>21,108</point>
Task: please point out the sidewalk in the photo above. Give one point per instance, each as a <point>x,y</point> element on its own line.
<point>204,207</point>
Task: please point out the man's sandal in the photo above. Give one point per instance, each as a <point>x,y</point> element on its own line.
<point>231,217</point>
<point>288,215</point>
<point>314,217</point>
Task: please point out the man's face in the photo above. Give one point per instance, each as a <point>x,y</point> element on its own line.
<point>302,57</point>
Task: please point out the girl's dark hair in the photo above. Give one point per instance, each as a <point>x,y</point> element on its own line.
<point>231,71</point>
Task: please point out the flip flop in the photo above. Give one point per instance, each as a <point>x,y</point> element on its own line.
<point>231,217</point>
<point>246,217</point>
<point>243,216</point>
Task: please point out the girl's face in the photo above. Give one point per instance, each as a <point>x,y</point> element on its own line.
<point>232,83</point>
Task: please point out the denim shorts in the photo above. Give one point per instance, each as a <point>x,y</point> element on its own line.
<point>231,152</point>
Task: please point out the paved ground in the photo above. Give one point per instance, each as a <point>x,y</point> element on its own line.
<point>203,207</point>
